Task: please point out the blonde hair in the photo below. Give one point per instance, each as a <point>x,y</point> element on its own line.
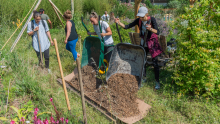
<point>67,14</point>
<point>93,15</point>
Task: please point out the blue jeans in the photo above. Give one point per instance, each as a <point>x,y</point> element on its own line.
<point>70,46</point>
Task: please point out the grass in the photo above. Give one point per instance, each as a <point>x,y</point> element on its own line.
<point>29,83</point>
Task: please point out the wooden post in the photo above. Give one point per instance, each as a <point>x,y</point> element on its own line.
<point>19,26</point>
<point>137,6</point>
<point>24,27</point>
<point>57,15</point>
<point>72,6</point>
<point>81,90</point>
<point>41,61</point>
<point>61,73</point>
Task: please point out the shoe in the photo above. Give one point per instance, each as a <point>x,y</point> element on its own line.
<point>157,87</point>
<point>49,71</point>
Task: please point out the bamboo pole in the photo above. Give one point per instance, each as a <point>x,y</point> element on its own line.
<point>41,61</point>
<point>55,7</point>
<point>24,27</point>
<point>82,91</point>
<point>137,6</point>
<point>72,6</point>
<point>57,14</point>
<point>19,26</point>
<point>61,73</point>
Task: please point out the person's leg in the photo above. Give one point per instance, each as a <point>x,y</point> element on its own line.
<point>108,50</point>
<point>38,56</point>
<point>156,72</point>
<point>72,47</point>
<point>145,65</point>
<point>46,57</point>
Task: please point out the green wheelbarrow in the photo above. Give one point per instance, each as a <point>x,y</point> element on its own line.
<point>93,50</point>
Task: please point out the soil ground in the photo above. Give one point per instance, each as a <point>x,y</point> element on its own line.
<point>118,96</point>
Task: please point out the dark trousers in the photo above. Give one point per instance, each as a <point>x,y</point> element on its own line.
<point>46,57</point>
<point>108,49</point>
<point>155,64</point>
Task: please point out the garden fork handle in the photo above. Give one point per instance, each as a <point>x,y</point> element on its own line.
<point>118,31</point>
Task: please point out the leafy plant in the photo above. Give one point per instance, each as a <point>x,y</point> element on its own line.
<point>198,53</point>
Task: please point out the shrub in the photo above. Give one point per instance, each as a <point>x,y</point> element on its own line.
<point>98,6</point>
<point>198,69</point>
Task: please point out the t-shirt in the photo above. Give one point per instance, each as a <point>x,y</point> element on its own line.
<point>44,17</point>
<point>107,39</point>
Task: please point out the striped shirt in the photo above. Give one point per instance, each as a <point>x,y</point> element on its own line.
<point>44,41</point>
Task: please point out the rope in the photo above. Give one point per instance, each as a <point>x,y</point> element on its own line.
<point>19,26</point>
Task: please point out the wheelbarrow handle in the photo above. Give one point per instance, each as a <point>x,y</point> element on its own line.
<point>118,31</point>
<point>85,26</point>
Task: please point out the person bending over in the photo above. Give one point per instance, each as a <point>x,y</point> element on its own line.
<point>106,34</point>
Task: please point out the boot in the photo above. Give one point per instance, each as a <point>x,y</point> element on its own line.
<point>157,87</point>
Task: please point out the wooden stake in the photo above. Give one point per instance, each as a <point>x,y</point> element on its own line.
<point>19,26</point>
<point>61,73</point>
<point>81,90</point>
<point>57,15</point>
<point>137,6</point>
<point>72,5</point>
<point>24,27</point>
<point>41,61</point>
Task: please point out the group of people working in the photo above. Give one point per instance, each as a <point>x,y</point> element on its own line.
<point>148,32</point>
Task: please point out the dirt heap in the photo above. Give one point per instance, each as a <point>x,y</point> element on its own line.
<point>118,96</point>
<point>90,82</point>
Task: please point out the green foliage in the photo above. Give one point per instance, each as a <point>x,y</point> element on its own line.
<point>23,112</point>
<point>98,6</point>
<point>198,53</point>
<point>148,4</point>
<point>124,10</point>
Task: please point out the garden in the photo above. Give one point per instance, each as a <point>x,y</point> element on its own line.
<point>190,91</point>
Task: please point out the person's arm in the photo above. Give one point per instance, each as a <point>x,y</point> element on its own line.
<point>92,33</point>
<point>68,26</point>
<point>32,32</point>
<point>51,41</point>
<point>107,29</point>
<point>109,32</point>
<point>153,29</point>
<point>135,22</point>
<point>50,23</point>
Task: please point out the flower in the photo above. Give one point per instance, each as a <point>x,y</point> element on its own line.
<point>46,121</point>
<point>36,109</point>
<point>51,99</point>
<point>22,119</point>
<point>62,119</point>
<point>66,121</point>
<point>12,122</point>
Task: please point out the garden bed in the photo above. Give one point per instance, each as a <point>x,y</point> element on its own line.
<point>118,95</point>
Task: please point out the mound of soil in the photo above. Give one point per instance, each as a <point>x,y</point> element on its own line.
<point>90,82</point>
<point>118,96</point>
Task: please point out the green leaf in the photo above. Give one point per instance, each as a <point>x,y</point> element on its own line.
<point>43,113</point>
<point>16,110</point>
<point>3,119</point>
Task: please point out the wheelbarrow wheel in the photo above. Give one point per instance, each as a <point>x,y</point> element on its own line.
<point>102,70</point>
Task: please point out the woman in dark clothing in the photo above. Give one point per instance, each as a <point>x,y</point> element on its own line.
<point>149,40</point>
<point>71,34</point>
